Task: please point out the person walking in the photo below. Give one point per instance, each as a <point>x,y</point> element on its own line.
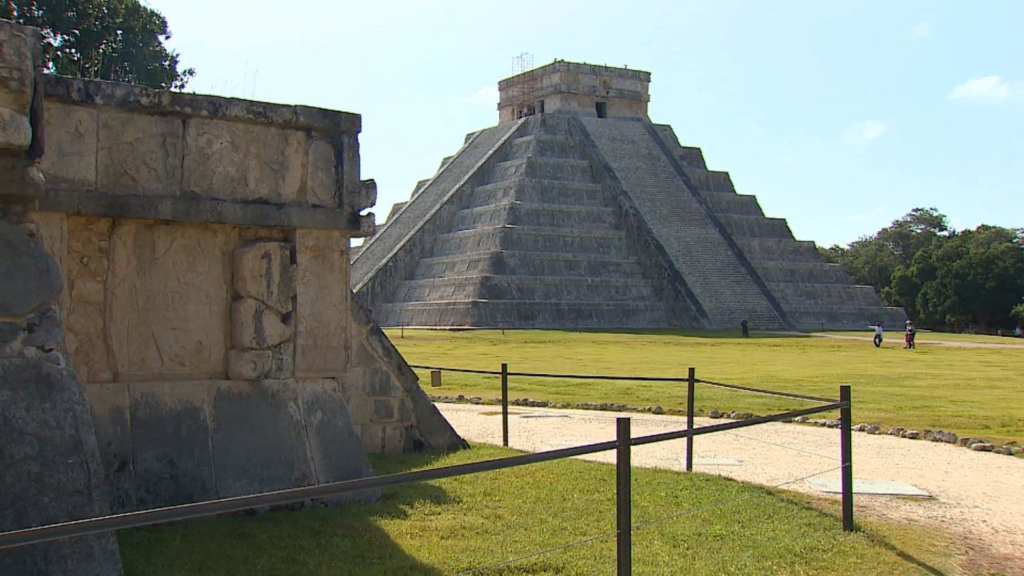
<point>744,327</point>
<point>878,335</point>
<point>908,338</point>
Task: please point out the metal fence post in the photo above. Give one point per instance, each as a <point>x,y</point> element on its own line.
<point>623,499</point>
<point>847,456</point>
<point>504,404</point>
<point>690,381</point>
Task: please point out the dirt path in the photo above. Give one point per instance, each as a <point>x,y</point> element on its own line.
<point>978,497</point>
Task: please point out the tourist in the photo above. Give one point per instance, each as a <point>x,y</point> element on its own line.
<point>1018,332</point>
<point>908,339</point>
<point>878,335</point>
<point>744,328</point>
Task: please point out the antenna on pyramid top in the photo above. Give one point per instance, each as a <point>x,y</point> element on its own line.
<point>522,85</point>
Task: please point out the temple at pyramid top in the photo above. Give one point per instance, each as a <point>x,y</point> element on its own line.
<point>576,211</point>
<point>584,89</point>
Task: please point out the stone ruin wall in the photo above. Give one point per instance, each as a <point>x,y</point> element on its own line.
<point>576,87</point>
<point>203,248</point>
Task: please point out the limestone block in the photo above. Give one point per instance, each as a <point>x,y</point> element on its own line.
<point>394,438</point>
<point>16,67</point>
<point>51,471</point>
<point>168,310</point>
<point>139,154</point>
<point>282,362</point>
<point>86,269</point>
<point>372,438</point>
<point>236,161</point>
<point>249,364</point>
<point>28,275</point>
<point>264,271</point>
<point>322,312</point>
<point>334,444</point>
<point>256,325</point>
<point>259,440</point>
<point>384,410</point>
<point>71,140</point>
<point>171,430</point>
<point>15,130</point>
<point>110,406</point>
<point>53,229</point>
<point>321,182</point>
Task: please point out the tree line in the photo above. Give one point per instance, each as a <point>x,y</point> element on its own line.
<point>966,280</point>
<point>118,40</point>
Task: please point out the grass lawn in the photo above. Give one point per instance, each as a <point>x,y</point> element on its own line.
<point>926,336</point>
<point>970,391</point>
<point>454,525</point>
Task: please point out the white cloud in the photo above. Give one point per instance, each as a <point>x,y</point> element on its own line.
<point>487,95</point>
<point>985,90</point>
<point>864,133</point>
<point>922,30</point>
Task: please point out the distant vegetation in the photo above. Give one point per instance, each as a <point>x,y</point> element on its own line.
<point>946,279</point>
<point>119,40</point>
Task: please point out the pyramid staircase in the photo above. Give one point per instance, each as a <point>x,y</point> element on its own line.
<point>812,293</point>
<point>534,242</point>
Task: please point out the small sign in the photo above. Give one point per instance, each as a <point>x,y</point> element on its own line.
<point>435,378</point>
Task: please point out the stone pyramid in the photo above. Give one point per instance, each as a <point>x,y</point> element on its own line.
<point>576,211</point>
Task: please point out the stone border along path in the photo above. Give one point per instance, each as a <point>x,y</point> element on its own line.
<point>977,497</point>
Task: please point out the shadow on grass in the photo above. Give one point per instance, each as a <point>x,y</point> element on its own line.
<point>874,537</point>
<point>346,539</point>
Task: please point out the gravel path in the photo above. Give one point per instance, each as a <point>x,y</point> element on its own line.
<point>978,497</point>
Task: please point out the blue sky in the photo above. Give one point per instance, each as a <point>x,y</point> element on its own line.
<point>839,116</point>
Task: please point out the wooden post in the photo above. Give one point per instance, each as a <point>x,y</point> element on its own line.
<point>623,499</point>
<point>846,450</point>
<point>504,404</point>
<point>690,381</point>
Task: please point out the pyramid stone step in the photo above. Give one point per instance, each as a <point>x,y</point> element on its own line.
<point>845,317</point>
<point>779,249</point>
<point>534,239</point>
<point>515,263</point>
<point>549,215</point>
<point>545,146</point>
<point>806,294</point>
<point>533,288</point>
<point>709,180</point>
<point>561,169</point>
<point>778,271</point>
<point>727,203</point>
<point>533,191</point>
<point>756,227</point>
<point>525,314</point>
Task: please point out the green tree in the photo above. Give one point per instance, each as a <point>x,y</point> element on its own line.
<point>972,278</point>
<point>119,40</point>
<point>873,260</point>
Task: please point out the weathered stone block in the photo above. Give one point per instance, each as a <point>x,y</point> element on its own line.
<point>372,438</point>
<point>15,130</point>
<point>334,444</point>
<point>28,275</point>
<point>87,265</point>
<point>53,230</point>
<point>169,306</point>
<point>171,431</point>
<point>139,154</point>
<point>19,53</point>
<point>71,143</point>
<point>394,438</point>
<point>111,417</point>
<point>51,471</point>
<point>321,182</point>
<point>322,314</point>
<point>236,161</point>
<point>249,364</point>
<point>282,364</point>
<point>264,271</point>
<point>259,439</point>
<point>383,410</point>
<point>256,325</point>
